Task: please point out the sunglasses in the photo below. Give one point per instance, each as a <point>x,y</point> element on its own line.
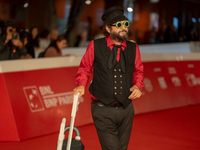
<point>119,24</point>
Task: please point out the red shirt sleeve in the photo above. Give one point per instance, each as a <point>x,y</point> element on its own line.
<point>138,73</point>
<point>85,67</point>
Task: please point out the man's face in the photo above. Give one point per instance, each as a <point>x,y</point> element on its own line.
<point>119,34</point>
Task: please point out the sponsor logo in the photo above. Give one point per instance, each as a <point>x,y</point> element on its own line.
<point>176,81</point>
<point>157,69</point>
<point>192,80</point>
<point>162,83</point>
<point>47,98</point>
<point>172,70</point>
<point>33,98</point>
<point>148,85</point>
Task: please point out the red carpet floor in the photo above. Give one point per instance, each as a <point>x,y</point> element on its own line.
<point>173,129</point>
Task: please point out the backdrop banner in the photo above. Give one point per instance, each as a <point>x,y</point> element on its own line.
<point>169,84</point>
<point>33,101</point>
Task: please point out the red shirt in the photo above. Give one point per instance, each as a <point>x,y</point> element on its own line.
<point>86,64</point>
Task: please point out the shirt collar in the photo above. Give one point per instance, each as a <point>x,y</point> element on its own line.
<point>111,43</point>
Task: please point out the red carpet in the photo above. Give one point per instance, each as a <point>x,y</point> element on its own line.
<point>174,129</point>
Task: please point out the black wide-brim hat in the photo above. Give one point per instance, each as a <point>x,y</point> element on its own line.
<point>113,15</point>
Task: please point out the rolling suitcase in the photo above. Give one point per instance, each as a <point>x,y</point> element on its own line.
<point>70,143</point>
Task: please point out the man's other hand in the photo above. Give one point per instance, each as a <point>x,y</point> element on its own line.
<point>136,93</point>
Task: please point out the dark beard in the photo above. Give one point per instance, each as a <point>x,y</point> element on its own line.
<point>116,36</point>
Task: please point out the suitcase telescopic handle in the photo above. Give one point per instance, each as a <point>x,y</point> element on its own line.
<point>75,105</point>
<point>61,134</point>
<point>73,114</point>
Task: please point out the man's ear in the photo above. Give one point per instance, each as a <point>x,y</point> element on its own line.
<point>108,29</point>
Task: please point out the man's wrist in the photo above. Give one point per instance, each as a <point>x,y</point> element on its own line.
<point>136,87</point>
<point>81,86</point>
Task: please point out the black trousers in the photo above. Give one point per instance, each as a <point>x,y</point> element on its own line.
<point>113,125</point>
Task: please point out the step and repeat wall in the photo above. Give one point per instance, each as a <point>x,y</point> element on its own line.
<point>36,94</point>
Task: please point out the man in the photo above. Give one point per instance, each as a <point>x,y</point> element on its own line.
<point>29,47</point>
<point>117,79</point>
<point>10,45</point>
<point>54,34</point>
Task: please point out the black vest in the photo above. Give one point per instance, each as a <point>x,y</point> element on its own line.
<point>111,84</point>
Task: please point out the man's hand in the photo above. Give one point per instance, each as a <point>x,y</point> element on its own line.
<point>136,93</point>
<point>8,38</point>
<point>80,89</point>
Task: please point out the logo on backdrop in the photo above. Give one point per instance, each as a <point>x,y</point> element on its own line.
<point>43,98</point>
<point>33,98</point>
<point>148,85</point>
<point>191,79</point>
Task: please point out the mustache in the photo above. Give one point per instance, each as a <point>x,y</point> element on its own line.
<point>123,31</point>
